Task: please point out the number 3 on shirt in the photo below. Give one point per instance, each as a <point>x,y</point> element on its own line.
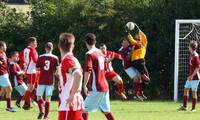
<point>101,60</point>
<point>47,65</point>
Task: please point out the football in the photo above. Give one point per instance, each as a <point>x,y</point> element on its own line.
<point>130,26</point>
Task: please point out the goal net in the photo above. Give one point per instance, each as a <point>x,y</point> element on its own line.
<point>186,30</point>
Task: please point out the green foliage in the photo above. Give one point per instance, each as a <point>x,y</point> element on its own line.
<point>105,18</point>
<point>13,27</point>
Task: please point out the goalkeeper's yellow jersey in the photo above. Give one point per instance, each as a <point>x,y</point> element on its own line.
<point>141,52</point>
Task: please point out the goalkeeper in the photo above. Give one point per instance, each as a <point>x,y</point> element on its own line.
<point>139,41</point>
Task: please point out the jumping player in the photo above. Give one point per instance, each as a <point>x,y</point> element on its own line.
<point>4,78</point>
<point>125,52</point>
<point>193,78</point>
<point>29,58</point>
<point>16,76</point>
<point>139,40</point>
<point>110,73</point>
<point>97,95</point>
<point>46,64</point>
<point>70,81</point>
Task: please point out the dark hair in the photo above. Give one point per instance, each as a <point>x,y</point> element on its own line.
<point>90,39</point>
<point>193,44</point>
<point>66,41</point>
<point>2,43</point>
<point>123,38</point>
<point>11,54</point>
<point>102,44</point>
<point>31,39</point>
<point>49,46</point>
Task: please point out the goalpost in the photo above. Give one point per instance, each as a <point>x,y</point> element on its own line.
<point>185,31</point>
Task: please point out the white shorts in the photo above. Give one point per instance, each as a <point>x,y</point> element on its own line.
<point>97,100</point>
<point>132,72</point>
<point>47,89</point>
<point>4,80</point>
<point>21,89</point>
<point>192,84</point>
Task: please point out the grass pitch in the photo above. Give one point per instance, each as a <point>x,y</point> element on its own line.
<point>123,110</point>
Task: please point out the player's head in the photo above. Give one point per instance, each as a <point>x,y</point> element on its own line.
<point>193,45</point>
<point>14,56</point>
<point>124,41</point>
<point>66,42</point>
<point>3,46</point>
<point>103,47</point>
<point>90,40</point>
<point>32,41</point>
<point>49,47</point>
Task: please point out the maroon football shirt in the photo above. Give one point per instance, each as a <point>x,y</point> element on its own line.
<point>4,61</point>
<point>47,64</point>
<point>15,79</point>
<point>194,63</point>
<point>95,64</point>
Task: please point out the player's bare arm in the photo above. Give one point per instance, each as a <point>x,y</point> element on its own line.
<point>86,79</point>
<point>20,72</point>
<point>194,73</point>
<point>77,81</point>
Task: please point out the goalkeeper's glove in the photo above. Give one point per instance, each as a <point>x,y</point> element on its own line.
<point>126,31</point>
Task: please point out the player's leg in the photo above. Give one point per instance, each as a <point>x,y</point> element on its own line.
<point>27,97</point>
<point>146,73</point>
<point>74,115</point>
<point>109,115</point>
<point>113,76</point>
<point>48,93</point>
<point>194,101</point>
<point>40,92</point>
<point>30,82</point>
<point>135,86</point>
<point>142,92</point>
<point>145,83</point>
<point>185,96</point>
<point>105,106</point>
<point>138,88</point>
<point>141,89</point>
<point>194,88</point>
<point>21,89</point>
<point>8,99</point>
<point>34,96</point>
<point>85,115</point>
<point>5,83</point>
<point>140,66</point>
<point>62,115</point>
<point>134,74</point>
<point>186,93</point>
<point>92,103</point>
<point>2,93</point>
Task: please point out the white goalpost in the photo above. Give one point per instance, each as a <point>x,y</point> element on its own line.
<point>185,31</point>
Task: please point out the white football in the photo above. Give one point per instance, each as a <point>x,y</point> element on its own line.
<point>130,25</point>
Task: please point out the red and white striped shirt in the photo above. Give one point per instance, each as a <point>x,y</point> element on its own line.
<point>66,70</point>
<point>29,58</point>
<point>111,55</point>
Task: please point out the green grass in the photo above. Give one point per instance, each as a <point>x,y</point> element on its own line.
<point>123,110</point>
